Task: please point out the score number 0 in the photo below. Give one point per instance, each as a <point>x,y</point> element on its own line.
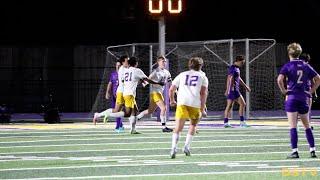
<point>159,9</point>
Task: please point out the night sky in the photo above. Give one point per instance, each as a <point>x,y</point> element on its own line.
<point>108,22</point>
<point>41,23</point>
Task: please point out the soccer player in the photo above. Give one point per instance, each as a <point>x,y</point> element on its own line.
<point>192,88</point>
<point>306,58</point>
<point>119,93</point>
<point>233,92</point>
<point>160,74</point>
<point>131,77</point>
<point>297,93</point>
<point>111,94</point>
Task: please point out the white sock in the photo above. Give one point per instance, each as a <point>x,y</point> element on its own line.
<point>140,115</point>
<point>175,139</point>
<point>132,120</point>
<point>117,114</point>
<point>103,113</point>
<point>188,141</point>
<point>312,149</point>
<point>295,150</point>
<point>163,119</point>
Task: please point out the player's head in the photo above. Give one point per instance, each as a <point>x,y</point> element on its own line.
<point>239,61</point>
<point>133,61</point>
<point>305,57</point>
<point>118,64</point>
<point>195,63</point>
<point>294,50</point>
<point>124,60</point>
<point>161,60</point>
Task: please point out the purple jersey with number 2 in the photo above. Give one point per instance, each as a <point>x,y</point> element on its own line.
<point>298,74</point>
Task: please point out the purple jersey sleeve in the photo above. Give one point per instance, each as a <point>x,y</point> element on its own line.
<point>312,73</point>
<point>284,70</point>
<point>231,70</point>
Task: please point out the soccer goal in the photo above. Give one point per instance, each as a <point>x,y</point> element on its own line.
<point>259,72</point>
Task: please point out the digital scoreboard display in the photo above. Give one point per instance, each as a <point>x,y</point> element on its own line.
<point>165,7</point>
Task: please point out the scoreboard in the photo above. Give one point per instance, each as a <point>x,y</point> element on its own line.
<point>165,7</point>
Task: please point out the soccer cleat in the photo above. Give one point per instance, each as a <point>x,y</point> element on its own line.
<point>119,130</point>
<point>227,125</point>
<point>173,153</point>
<point>186,151</point>
<point>134,132</point>
<point>294,155</point>
<point>95,118</point>
<point>166,129</point>
<point>313,154</point>
<point>244,125</point>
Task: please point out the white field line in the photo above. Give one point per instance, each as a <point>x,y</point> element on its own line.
<point>133,138</point>
<point>108,150</point>
<point>153,163</point>
<point>134,143</point>
<point>240,130</point>
<point>119,135</point>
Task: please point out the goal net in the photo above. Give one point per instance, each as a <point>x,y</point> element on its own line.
<point>259,72</point>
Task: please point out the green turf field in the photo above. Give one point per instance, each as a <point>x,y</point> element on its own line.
<point>100,153</point>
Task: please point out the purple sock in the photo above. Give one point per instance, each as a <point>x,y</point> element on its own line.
<point>241,118</point>
<point>118,123</point>
<point>226,120</point>
<point>294,138</point>
<point>310,137</point>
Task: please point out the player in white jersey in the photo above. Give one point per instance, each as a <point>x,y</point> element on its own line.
<point>160,74</point>
<point>131,77</point>
<point>192,88</point>
<point>119,93</point>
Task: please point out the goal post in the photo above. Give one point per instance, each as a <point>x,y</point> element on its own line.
<point>259,72</point>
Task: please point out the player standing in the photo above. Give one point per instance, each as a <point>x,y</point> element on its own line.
<point>298,74</point>
<point>192,88</point>
<point>233,92</point>
<point>160,74</point>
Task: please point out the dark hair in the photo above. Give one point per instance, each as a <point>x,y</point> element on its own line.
<point>239,58</point>
<point>122,59</point>
<point>161,57</point>
<point>133,61</point>
<point>305,57</point>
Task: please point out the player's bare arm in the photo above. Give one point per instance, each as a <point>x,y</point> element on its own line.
<point>228,84</point>
<point>280,81</point>
<point>203,99</point>
<point>315,85</point>
<point>108,91</point>
<point>153,82</point>
<point>172,91</point>
<point>244,85</point>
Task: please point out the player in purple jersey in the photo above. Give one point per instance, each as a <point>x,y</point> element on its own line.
<point>306,58</point>
<point>233,92</point>
<point>297,75</point>
<point>111,94</point>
